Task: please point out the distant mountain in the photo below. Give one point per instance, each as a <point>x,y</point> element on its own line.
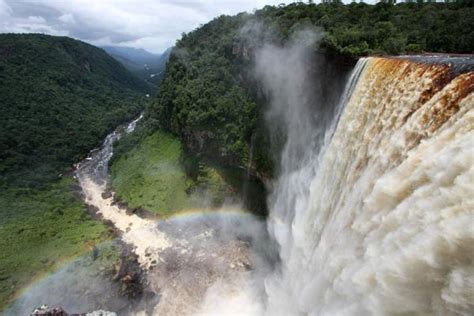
<point>147,66</point>
<point>137,55</point>
<point>132,58</point>
<point>59,98</point>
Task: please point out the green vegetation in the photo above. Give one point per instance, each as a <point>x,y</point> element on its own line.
<point>359,29</point>
<point>59,98</point>
<point>202,99</point>
<point>153,176</point>
<point>40,228</point>
<point>210,100</point>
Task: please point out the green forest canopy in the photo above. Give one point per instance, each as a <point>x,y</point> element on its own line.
<point>59,98</point>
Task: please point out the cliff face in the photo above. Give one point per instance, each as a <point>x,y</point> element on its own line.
<point>217,106</point>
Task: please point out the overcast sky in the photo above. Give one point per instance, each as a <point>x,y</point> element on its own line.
<point>150,24</point>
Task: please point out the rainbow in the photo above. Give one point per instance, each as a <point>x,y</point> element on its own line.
<point>35,293</point>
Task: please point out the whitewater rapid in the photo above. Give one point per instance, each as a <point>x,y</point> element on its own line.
<point>377,217</point>
<point>92,173</point>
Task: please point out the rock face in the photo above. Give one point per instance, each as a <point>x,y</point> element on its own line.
<point>44,310</point>
<point>130,275</point>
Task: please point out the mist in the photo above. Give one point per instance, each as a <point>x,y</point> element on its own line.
<point>302,91</point>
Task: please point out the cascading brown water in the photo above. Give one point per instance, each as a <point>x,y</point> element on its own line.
<point>387,225</point>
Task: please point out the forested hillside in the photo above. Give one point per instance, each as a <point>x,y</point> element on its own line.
<point>208,97</point>
<point>59,98</point>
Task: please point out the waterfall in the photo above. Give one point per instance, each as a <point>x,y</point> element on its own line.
<point>375,215</point>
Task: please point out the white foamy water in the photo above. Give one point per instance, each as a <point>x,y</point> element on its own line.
<point>143,234</point>
<point>379,218</point>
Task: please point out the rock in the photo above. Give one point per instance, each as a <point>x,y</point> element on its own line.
<point>130,275</point>
<point>106,195</point>
<point>44,310</point>
<point>101,313</point>
<point>95,253</point>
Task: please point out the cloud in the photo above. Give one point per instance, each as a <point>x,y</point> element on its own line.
<point>5,10</point>
<point>151,24</point>
<point>67,18</point>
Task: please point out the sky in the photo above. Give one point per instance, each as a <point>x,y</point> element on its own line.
<point>150,24</point>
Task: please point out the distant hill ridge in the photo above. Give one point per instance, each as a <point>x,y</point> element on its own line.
<point>131,53</point>
<point>147,66</point>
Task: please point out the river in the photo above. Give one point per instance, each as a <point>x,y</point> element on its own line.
<point>185,256</point>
